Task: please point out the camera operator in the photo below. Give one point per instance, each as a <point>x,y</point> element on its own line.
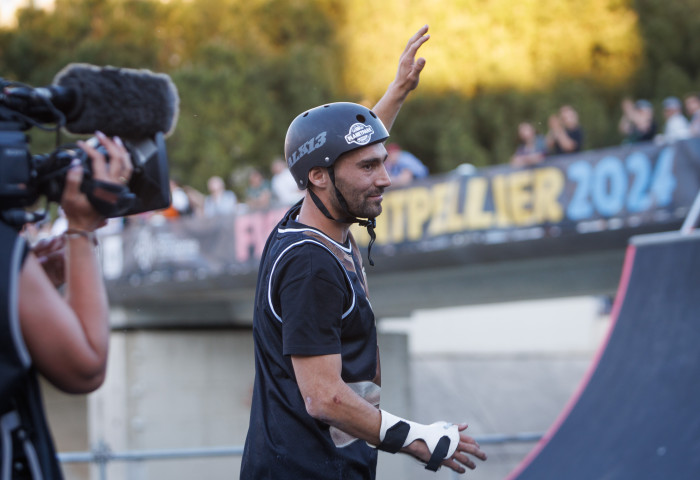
<point>64,338</point>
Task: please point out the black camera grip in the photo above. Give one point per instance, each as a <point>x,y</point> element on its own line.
<point>109,199</point>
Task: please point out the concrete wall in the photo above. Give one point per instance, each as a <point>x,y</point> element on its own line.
<point>174,389</point>
<point>67,416</point>
<point>171,390</point>
<point>501,368</point>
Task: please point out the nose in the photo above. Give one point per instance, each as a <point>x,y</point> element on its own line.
<point>383,180</point>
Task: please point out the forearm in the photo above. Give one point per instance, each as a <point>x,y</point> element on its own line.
<point>388,107</point>
<point>561,138</point>
<point>566,143</point>
<point>87,297</point>
<point>329,399</point>
<point>345,410</point>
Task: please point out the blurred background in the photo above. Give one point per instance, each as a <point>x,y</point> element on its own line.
<point>494,279</point>
<point>245,69</point>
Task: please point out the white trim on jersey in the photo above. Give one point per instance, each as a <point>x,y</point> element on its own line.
<point>347,249</point>
<point>309,240</point>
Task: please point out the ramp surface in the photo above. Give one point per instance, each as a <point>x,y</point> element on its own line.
<point>636,414</point>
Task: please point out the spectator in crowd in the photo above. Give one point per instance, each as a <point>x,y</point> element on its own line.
<point>220,201</point>
<point>532,147</point>
<point>258,193</point>
<point>637,123</point>
<point>677,126</point>
<point>179,204</point>
<point>565,134</point>
<point>196,200</point>
<point>692,108</point>
<point>403,167</point>
<point>284,188</point>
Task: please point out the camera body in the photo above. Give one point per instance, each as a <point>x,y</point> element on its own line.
<point>24,178</point>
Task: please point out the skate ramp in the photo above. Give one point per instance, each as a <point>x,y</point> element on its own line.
<point>636,414</point>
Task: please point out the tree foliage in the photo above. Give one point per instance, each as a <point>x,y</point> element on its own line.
<point>245,68</point>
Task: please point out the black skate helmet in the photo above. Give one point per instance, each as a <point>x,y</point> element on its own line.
<point>317,137</point>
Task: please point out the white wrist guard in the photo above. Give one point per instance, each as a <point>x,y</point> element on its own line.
<point>442,438</point>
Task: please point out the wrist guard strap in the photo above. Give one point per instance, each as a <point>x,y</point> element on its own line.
<point>442,438</point>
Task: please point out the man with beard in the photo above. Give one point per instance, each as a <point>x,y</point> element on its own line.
<point>315,410</point>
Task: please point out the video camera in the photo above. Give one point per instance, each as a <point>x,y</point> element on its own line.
<point>137,105</point>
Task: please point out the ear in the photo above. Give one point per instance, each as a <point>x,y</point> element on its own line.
<point>318,177</point>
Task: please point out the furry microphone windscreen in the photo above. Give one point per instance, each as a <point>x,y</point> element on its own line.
<point>132,104</point>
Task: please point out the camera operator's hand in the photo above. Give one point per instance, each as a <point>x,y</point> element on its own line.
<point>80,214</point>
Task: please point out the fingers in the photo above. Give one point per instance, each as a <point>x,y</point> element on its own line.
<point>415,43</point>
<point>73,179</point>
<point>120,162</point>
<point>461,458</point>
<point>417,68</point>
<point>99,163</point>
<point>452,465</point>
<point>472,449</point>
<point>80,214</point>
<point>119,167</point>
<point>458,461</point>
<point>468,444</point>
<point>408,73</point>
<point>411,50</point>
<point>419,34</point>
<point>42,245</point>
<point>47,246</point>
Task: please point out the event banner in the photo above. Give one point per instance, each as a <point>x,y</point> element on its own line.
<point>568,201</point>
<point>595,191</point>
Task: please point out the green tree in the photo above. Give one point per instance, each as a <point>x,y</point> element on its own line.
<point>245,68</point>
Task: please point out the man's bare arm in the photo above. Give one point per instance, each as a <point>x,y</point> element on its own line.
<point>407,78</point>
<point>330,400</point>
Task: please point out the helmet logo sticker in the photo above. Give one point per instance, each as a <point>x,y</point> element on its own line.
<point>359,133</point>
<point>307,147</point>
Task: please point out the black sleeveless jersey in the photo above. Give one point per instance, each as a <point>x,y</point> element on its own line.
<point>311,299</point>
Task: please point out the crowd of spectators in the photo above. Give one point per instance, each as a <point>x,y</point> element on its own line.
<point>565,135</point>
<point>637,124</point>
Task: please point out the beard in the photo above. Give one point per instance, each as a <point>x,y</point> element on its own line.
<point>360,203</point>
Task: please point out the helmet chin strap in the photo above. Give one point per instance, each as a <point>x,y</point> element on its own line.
<point>370,223</point>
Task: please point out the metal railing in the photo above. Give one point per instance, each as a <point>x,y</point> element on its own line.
<point>102,455</point>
